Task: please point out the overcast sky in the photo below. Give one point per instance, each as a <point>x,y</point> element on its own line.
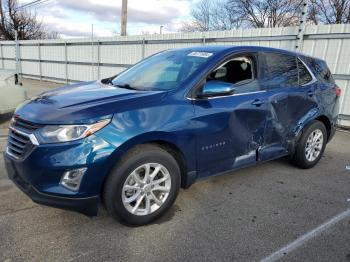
<point>73,18</point>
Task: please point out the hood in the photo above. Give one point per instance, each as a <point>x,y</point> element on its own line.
<point>84,103</point>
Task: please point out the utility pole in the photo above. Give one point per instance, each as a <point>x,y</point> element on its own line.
<point>124,17</point>
<point>302,24</point>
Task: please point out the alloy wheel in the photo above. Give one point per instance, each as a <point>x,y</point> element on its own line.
<point>146,189</point>
<point>314,145</point>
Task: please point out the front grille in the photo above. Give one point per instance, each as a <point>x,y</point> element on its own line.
<point>19,144</point>
<point>24,125</point>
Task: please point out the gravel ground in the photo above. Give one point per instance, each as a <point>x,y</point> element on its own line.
<point>242,216</point>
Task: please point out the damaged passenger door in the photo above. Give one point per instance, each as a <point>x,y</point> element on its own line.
<point>230,128</point>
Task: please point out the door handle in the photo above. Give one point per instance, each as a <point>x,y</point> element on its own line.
<point>310,93</point>
<point>257,102</point>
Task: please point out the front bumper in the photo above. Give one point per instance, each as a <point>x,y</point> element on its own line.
<point>87,206</point>
<point>39,173</point>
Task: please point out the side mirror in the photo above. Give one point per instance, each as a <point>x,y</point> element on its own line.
<point>216,88</point>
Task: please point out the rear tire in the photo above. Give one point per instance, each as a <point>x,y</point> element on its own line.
<point>142,186</point>
<point>310,146</point>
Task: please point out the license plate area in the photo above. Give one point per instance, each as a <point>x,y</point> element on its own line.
<point>14,176</point>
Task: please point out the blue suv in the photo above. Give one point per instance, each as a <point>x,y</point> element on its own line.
<point>132,140</point>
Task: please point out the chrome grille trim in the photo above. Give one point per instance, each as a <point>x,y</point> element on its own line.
<point>21,140</point>
<point>31,137</point>
<point>10,154</point>
<point>13,141</point>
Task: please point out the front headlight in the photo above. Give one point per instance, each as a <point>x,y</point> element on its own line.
<point>65,133</point>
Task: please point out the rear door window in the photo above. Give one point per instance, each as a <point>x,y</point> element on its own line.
<point>279,70</point>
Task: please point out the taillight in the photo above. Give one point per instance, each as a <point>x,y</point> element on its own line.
<point>337,91</point>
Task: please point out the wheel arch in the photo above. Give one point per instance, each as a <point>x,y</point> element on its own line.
<point>177,153</point>
<point>163,140</point>
<point>307,119</point>
<point>327,123</point>
<point>313,114</point>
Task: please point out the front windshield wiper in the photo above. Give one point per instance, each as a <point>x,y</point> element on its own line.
<point>107,81</point>
<point>126,86</point>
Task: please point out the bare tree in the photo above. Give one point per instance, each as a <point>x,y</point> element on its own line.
<point>329,11</point>
<point>25,23</point>
<point>229,14</point>
<point>191,26</point>
<point>201,14</point>
<point>223,18</point>
<point>210,15</point>
<point>266,13</point>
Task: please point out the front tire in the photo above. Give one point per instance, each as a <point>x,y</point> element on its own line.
<point>142,186</point>
<point>310,146</point>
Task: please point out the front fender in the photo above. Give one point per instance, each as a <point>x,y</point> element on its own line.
<point>185,143</point>
<point>170,122</point>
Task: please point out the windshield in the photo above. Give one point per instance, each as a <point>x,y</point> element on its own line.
<point>164,71</point>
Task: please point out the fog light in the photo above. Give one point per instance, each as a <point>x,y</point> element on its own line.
<point>72,179</point>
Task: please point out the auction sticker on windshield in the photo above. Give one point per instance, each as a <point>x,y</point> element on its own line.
<point>200,54</point>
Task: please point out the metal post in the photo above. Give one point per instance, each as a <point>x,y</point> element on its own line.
<point>66,60</point>
<point>98,59</point>
<point>16,53</point>
<point>342,109</point>
<point>124,17</point>
<point>301,30</point>
<point>40,66</point>
<point>2,56</point>
<point>143,47</point>
<point>18,59</point>
<point>92,53</point>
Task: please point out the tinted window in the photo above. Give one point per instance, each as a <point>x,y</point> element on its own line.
<point>279,71</point>
<point>321,70</point>
<point>237,71</point>
<point>304,75</point>
<point>164,71</point>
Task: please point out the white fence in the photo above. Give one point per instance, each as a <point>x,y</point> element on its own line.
<point>87,59</point>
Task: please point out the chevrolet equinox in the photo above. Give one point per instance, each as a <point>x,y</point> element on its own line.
<point>132,140</point>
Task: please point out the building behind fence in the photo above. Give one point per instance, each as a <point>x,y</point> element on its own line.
<point>87,59</point>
